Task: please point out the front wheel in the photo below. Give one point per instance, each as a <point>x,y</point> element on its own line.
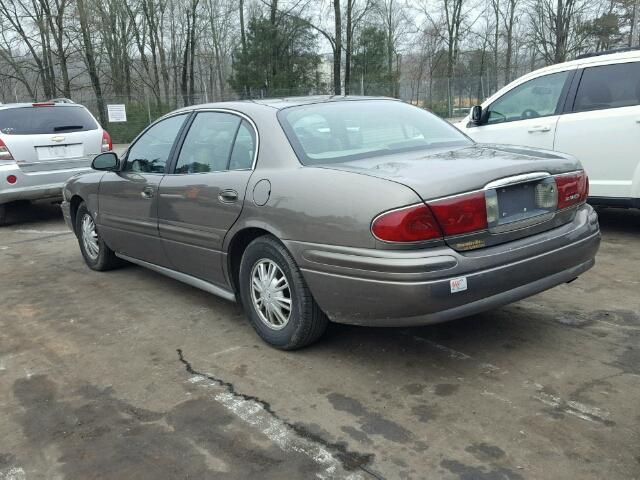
<point>97,255</point>
<point>276,297</point>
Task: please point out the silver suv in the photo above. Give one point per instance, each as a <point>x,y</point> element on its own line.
<point>42,145</point>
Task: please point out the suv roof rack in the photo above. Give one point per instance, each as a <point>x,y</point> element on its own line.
<point>607,52</point>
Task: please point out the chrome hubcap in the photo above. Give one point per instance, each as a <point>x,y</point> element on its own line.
<point>271,294</point>
<point>90,237</point>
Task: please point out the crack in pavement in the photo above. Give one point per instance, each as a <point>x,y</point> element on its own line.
<point>288,436</point>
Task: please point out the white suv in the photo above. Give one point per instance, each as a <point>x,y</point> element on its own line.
<point>589,107</point>
<point>42,145</point>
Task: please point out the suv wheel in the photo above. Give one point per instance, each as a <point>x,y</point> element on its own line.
<point>276,297</point>
<point>97,255</point>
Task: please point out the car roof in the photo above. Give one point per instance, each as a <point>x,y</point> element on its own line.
<point>281,103</point>
<point>611,57</point>
<point>6,106</point>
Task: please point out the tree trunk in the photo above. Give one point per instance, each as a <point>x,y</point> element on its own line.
<point>349,48</point>
<point>337,50</point>
<point>90,59</point>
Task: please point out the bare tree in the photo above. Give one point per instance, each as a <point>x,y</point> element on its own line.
<point>90,59</point>
<point>555,31</point>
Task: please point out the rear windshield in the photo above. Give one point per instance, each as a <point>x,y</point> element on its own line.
<point>335,132</point>
<point>45,120</point>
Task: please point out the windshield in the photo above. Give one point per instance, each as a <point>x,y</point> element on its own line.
<point>45,120</point>
<point>335,132</point>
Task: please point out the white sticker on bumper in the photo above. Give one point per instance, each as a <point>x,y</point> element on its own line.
<point>458,284</point>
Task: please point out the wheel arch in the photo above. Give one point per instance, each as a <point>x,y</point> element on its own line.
<point>74,204</point>
<point>235,249</point>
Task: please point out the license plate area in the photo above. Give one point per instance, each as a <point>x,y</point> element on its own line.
<point>516,206</point>
<point>57,152</point>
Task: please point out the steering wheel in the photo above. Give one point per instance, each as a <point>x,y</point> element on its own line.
<point>529,113</point>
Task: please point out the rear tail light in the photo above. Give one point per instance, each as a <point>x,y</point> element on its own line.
<point>43,104</point>
<point>11,179</point>
<point>5,154</point>
<point>107,144</point>
<point>472,212</point>
<point>410,224</point>
<point>462,213</point>
<point>573,189</point>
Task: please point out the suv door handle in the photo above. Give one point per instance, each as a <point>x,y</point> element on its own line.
<point>540,128</point>
<point>147,192</point>
<point>228,196</point>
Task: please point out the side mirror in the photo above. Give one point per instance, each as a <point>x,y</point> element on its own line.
<point>476,115</point>
<point>107,161</point>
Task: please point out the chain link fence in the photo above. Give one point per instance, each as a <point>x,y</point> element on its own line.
<point>124,117</point>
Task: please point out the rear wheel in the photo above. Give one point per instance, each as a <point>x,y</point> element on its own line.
<point>97,255</point>
<point>276,297</point>
<point>3,214</point>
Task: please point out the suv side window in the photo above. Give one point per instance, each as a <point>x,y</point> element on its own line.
<point>207,146</point>
<point>608,86</point>
<point>151,151</point>
<point>536,98</point>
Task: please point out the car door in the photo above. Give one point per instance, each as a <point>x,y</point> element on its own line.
<point>527,114</point>
<point>603,129</point>
<point>128,201</point>
<point>203,196</point>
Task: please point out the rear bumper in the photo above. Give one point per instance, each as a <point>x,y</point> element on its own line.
<point>34,185</point>
<point>392,288</point>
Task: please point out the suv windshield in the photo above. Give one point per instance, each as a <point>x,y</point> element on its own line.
<point>335,132</point>
<point>45,120</point>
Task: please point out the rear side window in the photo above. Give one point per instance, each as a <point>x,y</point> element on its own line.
<point>216,142</point>
<point>45,120</point>
<point>244,149</point>
<point>608,86</point>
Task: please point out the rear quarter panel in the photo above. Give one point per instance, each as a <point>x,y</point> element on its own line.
<point>318,205</point>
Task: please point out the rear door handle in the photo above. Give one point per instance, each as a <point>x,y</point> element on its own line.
<point>228,196</point>
<point>540,128</point>
<point>147,192</point>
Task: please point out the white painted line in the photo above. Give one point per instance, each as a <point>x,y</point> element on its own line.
<point>577,409</point>
<point>253,413</point>
<point>226,350</point>
<point>460,355</point>
<point>41,232</point>
<point>13,473</point>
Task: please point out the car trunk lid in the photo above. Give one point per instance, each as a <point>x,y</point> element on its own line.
<point>511,179</point>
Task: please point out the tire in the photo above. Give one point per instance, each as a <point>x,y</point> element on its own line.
<point>305,322</point>
<point>102,260</point>
<point>3,214</point>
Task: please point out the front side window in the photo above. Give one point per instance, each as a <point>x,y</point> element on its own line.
<point>608,86</point>
<point>207,146</point>
<point>151,151</point>
<point>536,98</point>
<point>333,132</point>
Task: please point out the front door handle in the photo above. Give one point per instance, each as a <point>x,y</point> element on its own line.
<point>539,128</point>
<point>228,196</point>
<point>147,192</point>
